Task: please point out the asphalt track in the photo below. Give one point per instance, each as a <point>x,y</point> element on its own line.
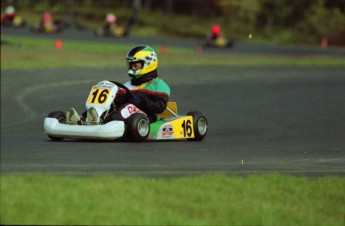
<point>261,119</point>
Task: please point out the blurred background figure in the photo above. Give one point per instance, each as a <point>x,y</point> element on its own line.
<point>217,39</point>
<point>47,24</point>
<point>10,19</point>
<point>216,32</point>
<point>111,28</point>
<point>110,22</point>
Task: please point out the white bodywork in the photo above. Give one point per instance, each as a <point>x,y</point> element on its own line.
<point>101,96</point>
<point>110,131</point>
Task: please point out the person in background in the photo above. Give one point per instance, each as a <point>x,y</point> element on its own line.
<point>110,27</point>
<point>109,24</point>
<point>8,18</point>
<point>47,23</point>
<point>216,38</point>
<point>11,18</point>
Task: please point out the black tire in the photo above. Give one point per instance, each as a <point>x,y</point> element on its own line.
<point>200,125</point>
<point>61,117</point>
<point>138,127</point>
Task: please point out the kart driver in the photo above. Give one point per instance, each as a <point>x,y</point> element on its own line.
<point>110,24</point>
<point>8,18</point>
<point>149,93</point>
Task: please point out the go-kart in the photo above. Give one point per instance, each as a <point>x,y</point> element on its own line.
<point>220,42</point>
<point>17,21</point>
<point>135,126</point>
<point>51,29</point>
<point>111,31</point>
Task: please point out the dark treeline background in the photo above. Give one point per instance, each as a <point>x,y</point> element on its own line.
<point>283,21</point>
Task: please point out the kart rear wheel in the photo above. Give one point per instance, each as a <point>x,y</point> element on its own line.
<point>61,117</point>
<point>200,125</point>
<point>138,127</point>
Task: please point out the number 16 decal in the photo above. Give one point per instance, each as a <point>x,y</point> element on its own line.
<point>98,96</point>
<point>187,128</point>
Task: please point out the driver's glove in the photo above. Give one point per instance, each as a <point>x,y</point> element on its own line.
<point>120,99</point>
<point>137,101</point>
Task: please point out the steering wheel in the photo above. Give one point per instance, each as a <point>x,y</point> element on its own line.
<point>122,86</point>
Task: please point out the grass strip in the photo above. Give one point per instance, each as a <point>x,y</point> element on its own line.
<point>271,199</point>
<point>41,53</point>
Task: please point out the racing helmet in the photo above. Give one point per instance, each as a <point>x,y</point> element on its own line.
<point>110,18</point>
<point>47,17</point>
<point>216,29</point>
<point>10,10</point>
<point>146,56</point>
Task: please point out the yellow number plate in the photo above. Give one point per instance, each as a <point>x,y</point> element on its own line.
<point>183,128</point>
<point>98,95</point>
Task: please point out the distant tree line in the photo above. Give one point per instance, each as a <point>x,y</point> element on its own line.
<point>294,20</point>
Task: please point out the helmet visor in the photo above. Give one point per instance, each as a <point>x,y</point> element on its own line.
<point>135,66</point>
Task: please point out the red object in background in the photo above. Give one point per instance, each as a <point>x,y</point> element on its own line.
<point>58,44</point>
<point>164,50</point>
<point>216,29</point>
<point>46,17</point>
<point>324,43</point>
<point>198,48</point>
<point>10,14</point>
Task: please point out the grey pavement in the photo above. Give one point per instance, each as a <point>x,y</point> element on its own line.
<point>288,119</point>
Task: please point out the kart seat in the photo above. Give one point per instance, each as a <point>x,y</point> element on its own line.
<point>170,111</point>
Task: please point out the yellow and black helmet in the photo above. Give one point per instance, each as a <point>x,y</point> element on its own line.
<point>146,56</point>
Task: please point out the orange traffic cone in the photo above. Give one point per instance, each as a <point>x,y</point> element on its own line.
<point>164,50</point>
<point>324,43</point>
<point>198,48</point>
<point>58,44</point>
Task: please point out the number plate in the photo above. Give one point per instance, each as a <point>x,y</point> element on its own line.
<point>183,127</point>
<point>98,95</point>
<point>101,96</point>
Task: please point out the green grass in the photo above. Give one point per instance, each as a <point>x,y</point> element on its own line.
<point>201,200</point>
<point>41,53</point>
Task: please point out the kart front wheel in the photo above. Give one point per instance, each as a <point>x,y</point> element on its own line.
<point>61,117</point>
<point>138,127</point>
<point>200,125</point>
